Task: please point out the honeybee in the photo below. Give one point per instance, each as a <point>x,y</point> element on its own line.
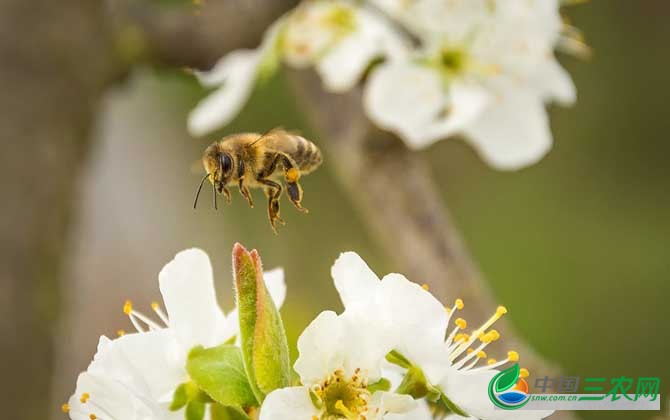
<point>251,160</point>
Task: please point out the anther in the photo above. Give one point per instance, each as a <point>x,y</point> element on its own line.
<point>120,333</point>
<point>459,304</point>
<point>461,323</point>
<point>524,373</point>
<point>491,361</point>
<point>513,356</point>
<point>65,408</point>
<point>84,397</point>
<point>128,307</point>
<point>481,354</point>
<point>425,287</point>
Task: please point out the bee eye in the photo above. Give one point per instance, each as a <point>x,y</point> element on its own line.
<point>226,163</point>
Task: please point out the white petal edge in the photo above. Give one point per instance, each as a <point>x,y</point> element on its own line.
<point>288,404</point>
<point>274,281</point>
<point>513,132</point>
<point>319,348</point>
<point>237,74</point>
<point>187,286</point>
<point>354,281</point>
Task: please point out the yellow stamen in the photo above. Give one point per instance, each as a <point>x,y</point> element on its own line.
<point>127,307</point>
<point>459,304</point>
<point>425,287</point>
<point>155,305</point>
<point>470,350</point>
<point>65,408</point>
<point>339,405</point>
<point>84,397</point>
<point>481,354</point>
<point>92,417</point>
<point>513,356</point>
<point>524,373</point>
<point>494,334</point>
<point>121,333</point>
<point>461,323</point>
<point>491,361</point>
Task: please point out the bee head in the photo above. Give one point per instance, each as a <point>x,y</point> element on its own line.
<point>224,170</point>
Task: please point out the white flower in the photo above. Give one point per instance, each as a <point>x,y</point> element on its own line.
<point>135,376</point>
<point>338,37</point>
<point>486,69</point>
<point>419,324</point>
<point>340,356</point>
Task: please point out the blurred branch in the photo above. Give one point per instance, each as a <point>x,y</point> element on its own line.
<point>393,189</point>
<point>56,61</point>
<point>192,36</point>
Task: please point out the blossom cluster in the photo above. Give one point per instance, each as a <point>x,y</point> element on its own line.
<point>394,352</point>
<point>431,69</point>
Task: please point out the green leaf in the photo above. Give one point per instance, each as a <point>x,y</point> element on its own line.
<point>195,410</point>
<point>507,378</point>
<point>219,372</point>
<point>220,412</point>
<point>264,344</point>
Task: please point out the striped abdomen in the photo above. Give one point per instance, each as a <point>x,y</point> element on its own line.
<point>305,154</point>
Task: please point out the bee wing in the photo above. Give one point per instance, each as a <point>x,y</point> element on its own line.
<point>274,132</point>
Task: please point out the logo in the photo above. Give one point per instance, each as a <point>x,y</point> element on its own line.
<point>508,390</point>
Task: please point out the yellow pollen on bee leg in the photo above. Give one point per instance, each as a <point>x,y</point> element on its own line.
<point>84,397</point>
<point>65,408</point>
<point>292,175</point>
<point>524,373</point>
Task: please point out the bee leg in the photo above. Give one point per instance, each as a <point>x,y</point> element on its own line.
<point>273,191</point>
<point>226,193</point>
<point>292,175</point>
<point>245,193</point>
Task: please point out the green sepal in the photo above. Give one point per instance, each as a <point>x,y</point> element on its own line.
<point>264,344</point>
<point>221,412</point>
<point>179,398</point>
<point>398,359</point>
<point>382,384</point>
<point>451,406</point>
<point>414,383</point>
<point>219,372</point>
<point>195,410</point>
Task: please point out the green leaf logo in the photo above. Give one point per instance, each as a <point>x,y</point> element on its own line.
<point>507,378</point>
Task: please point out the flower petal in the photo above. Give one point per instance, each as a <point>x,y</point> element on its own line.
<point>344,64</point>
<point>288,404</point>
<point>237,72</point>
<point>274,281</point>
<point>319,348</point>
<point>555,83</point>
<point>421,411</point>
<point>354,280</point>
<point>404,97</point>
<point>389,402</point>
<point>470,392</point>
<point>512,133</point>
<point>418,321</point>
<point>187,286</point>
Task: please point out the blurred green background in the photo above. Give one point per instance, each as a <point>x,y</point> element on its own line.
<point>577,246</point>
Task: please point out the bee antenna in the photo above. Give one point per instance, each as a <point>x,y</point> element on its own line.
<point>197,194</point>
